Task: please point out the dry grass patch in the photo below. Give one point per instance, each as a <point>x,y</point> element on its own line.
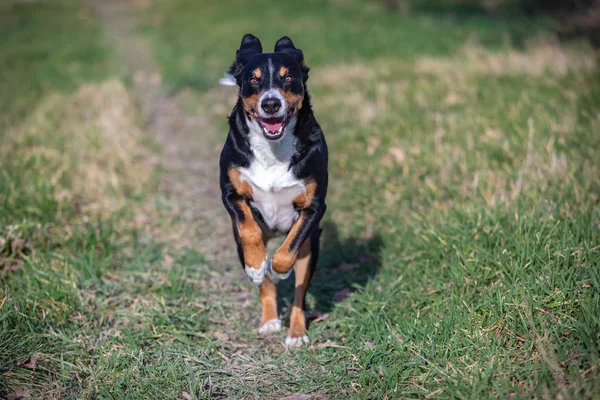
<point>538,58</point>
<point>340,74</point>
<point>87,145</point>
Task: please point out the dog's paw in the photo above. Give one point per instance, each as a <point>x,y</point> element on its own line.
<point>257,275</point>
<point>296,342</point>
<point>276,276</point>
<point>271,326</point>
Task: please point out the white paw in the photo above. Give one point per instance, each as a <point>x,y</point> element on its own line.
<point>271,326</point>
<point>296,342</point>
<point>276,276</point>
<point>257,275</point>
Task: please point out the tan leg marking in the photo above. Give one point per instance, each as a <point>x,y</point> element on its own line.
<point>251,236</point>
<point>268,301</point>
<point>302,271</point>
<point>249,231</point>
<point>305,199</point>
<point>284,258</point>
<point>243,188</point>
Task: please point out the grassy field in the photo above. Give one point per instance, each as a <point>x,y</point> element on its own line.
<point>73,162</point>
<point>461,249</point>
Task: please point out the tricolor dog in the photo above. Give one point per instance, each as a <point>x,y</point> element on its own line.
<point>274,175</point>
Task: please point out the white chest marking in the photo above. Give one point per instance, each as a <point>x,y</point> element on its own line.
<point>274,186</point>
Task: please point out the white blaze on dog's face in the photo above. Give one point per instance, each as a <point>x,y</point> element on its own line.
<point>272,91</point>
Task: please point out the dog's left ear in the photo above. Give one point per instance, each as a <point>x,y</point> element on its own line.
<point>285,45</point>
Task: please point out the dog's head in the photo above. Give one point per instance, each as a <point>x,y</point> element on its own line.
<point>272,85</point>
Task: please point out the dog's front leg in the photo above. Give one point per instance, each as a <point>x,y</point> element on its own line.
<point>300,250</point>
<point>285,257</point>
<point>249,237</point>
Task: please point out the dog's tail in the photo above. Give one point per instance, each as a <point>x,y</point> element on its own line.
<point>228,78</point>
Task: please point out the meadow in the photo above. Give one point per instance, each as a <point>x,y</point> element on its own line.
<point>461,246</point>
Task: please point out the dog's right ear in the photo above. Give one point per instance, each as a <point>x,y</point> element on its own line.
<point>249,47</point>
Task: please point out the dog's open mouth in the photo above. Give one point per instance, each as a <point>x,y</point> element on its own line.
<point>273,127</point>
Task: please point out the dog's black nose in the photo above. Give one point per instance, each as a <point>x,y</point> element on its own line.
<point>271,105</point>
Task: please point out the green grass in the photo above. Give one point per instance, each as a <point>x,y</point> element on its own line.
<point>47,46</point>
<point>464,194</point>
<point>67,192</point>
<point>463,209</point>
<point>330,32</point>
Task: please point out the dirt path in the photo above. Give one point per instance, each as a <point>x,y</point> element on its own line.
<point>190,150</point>
<point>189,144</point>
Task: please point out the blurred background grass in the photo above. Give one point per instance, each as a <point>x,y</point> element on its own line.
<point>344,31</point>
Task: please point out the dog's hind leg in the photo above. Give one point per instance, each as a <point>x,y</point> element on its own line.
<point>268,301</point>
<point>308,256</point>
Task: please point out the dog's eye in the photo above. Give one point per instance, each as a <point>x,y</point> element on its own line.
<point>253,81</point>
<point>288,79</point>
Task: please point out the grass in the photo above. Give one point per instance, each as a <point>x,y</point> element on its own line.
<point>41,53</point>
<point>461,247</point>
<point>463,208</point>
<point>343,31</point>
<point>73,161</point>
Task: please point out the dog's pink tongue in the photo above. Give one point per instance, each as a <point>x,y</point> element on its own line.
<point>272,127</point>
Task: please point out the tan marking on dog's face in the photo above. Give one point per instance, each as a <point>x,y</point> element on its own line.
<point>257,73</point>
<point>251,104</point>
<point>305,199</point>
<point>283,71</point>
<point>243,188</point>
<point>292,99</point>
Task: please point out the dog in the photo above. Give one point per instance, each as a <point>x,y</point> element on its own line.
<point>273,175</point>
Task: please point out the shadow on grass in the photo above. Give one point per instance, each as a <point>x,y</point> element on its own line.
<point>345,265</point>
